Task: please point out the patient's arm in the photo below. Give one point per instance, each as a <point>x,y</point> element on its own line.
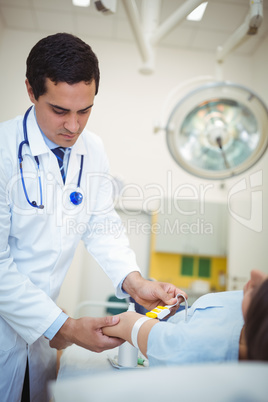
<point>124,327</point>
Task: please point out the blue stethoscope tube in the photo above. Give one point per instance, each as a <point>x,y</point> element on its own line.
<point>75,197</point>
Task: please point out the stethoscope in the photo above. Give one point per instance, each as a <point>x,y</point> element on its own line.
<point>75,197</point>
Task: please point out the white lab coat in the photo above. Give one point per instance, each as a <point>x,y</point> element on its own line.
<point>37,246</point>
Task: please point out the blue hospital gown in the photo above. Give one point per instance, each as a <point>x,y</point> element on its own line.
<point>211,333</point>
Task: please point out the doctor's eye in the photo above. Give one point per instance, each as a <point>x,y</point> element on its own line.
<point>59,112</point>
<point>84,111</point>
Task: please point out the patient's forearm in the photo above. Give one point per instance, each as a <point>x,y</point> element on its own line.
<point>124,327</point>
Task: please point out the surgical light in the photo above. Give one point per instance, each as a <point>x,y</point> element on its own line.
<point>218,130</point>
<point>198,12</point>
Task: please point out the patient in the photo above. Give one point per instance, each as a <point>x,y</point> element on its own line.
<point>220,327</point>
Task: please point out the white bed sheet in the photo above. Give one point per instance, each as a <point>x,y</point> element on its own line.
<point>85,376</point>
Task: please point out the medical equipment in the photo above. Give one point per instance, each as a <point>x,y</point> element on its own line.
<point>148,29</point>
<point>143,362</point>
<point>159,312</point>
<point>75,197</point>
<point>107,7</point>
<point>128,354</point>
<point>217,130</point>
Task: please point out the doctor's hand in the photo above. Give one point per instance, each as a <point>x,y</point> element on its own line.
<point>86,332</point>
<point>152,293</point>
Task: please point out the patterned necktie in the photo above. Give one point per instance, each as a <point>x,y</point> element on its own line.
<point>59,152</point>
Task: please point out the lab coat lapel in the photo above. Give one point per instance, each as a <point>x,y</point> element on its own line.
<point>78,149</point>
<point>38,147</point>
<point>35,138</point>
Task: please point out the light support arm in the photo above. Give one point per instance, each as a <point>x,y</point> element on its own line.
<point>150,13</point>
<point>249,27</point>
<point>135,22</point>
<point>177,16</point>
<point>145,27</point>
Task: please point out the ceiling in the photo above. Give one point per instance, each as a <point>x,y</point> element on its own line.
<point>221,19</point>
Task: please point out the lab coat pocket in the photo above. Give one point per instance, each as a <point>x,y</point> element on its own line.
<point>8,336</point>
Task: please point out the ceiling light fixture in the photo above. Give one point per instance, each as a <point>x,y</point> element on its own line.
<point>218,130</point>
<point>81,3</point>
<point>198,12</point>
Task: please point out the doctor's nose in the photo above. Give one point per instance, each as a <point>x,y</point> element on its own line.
<point>72,124</point>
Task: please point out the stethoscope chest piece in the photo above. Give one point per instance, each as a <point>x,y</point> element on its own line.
<point>76,198</point>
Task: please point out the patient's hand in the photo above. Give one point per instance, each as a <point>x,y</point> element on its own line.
<point>124,328</point>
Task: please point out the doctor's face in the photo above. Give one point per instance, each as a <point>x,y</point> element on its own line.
<point>63,111</point>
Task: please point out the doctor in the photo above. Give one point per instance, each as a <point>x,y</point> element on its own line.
<point>46,194</point>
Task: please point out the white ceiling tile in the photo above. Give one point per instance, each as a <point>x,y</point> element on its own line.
<point>18,18</point>
<point>60,5</point>
<point>206,40</point>
<point>122,30</point>
<point>221,19</point>
<point>55,21</point>
<point>243,2</point>
<point>223,16</point>
<point>92,12</point>
<point>92,9</point>
<point>120,9</point>
<point>239,2</point>
<point>168,8</point>
<point>179,36</point>
<point>94,27</point>
<point>19,3</point>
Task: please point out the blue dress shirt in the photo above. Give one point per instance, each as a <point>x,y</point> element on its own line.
<point>211,333</point>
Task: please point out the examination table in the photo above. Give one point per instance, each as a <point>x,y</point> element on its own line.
<point>85,376</point>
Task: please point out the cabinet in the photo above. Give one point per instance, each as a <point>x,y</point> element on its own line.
<point>191,227</point>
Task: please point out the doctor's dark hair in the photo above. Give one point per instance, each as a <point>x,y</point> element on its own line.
<point>256,324</point>
<point>61,57</point>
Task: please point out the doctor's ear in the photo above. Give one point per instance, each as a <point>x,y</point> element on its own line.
<point>30,91</point>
